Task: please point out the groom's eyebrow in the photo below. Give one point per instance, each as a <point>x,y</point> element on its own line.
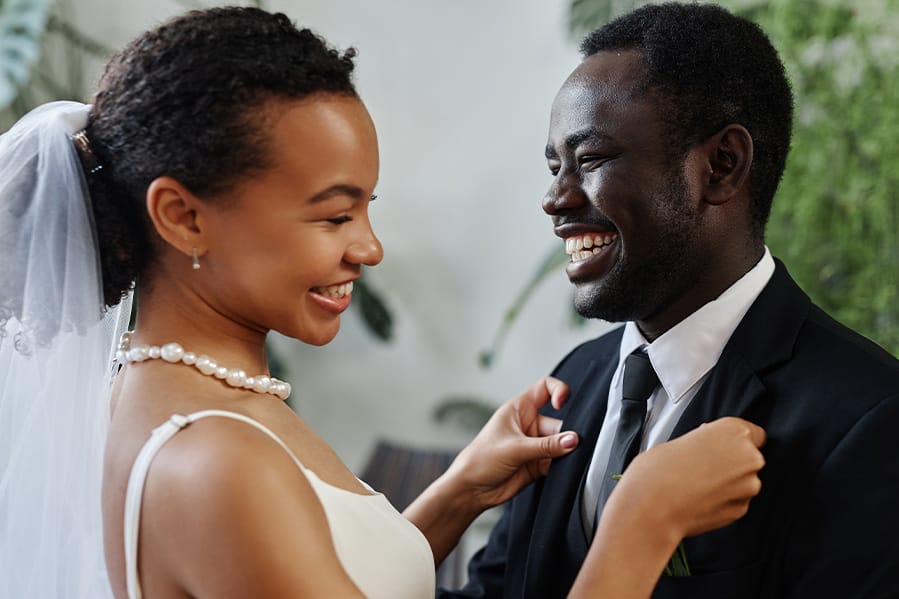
<point>574,140</point>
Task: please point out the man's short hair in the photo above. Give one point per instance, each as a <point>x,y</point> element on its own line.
<point>707,68</point>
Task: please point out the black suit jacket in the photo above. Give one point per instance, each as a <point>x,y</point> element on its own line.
<point>826,524</point>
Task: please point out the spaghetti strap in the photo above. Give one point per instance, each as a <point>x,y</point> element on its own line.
<point>138,477</point>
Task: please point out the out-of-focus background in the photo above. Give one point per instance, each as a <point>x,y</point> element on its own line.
<point>470,304</point>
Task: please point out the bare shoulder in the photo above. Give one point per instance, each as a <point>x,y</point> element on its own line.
<point>223,492</point>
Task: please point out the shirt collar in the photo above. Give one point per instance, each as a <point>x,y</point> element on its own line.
<point>691,348</point>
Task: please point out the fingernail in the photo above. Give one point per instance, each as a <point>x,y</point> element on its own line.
<point>569,441</point>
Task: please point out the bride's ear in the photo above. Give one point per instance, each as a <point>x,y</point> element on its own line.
<point>173,210</point>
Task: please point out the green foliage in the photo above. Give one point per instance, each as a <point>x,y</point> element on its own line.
<point>22,24</point>
<point>835,221</point>
<point>552,262</point>
<point>374,311</point>
<point>57,70</point>
<point>586,15</point>
<point>467,413</point>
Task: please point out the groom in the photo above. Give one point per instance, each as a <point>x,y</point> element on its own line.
<point>666,145</point>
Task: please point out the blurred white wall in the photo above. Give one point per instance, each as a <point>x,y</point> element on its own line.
<point>460,93</point>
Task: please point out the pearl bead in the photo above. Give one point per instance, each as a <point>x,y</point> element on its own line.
<point>263,384</point>
<point>236,377</point>
<point>282,390</point>
<point>173,353</point>
<point>205,364</point>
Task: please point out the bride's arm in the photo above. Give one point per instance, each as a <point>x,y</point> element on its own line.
<point>707,478</point>
<point>514,448</point>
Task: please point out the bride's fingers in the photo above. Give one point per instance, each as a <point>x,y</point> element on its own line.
<point>740,426</point>
<point>540,448</point>
<point>756,434</point>
<point>559,392</point>
<point>547,389</point>
<point>547,425</point>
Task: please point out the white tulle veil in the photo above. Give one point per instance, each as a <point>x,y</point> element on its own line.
<point>56,348</point>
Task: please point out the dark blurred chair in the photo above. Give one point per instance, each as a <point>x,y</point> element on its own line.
<point>401,474</point>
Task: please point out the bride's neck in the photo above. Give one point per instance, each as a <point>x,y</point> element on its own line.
<point>168,311</point>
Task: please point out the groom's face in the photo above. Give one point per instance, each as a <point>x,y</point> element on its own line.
<point>618,198</point>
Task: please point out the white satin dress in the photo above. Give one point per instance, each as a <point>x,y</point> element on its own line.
<point>384,554</point>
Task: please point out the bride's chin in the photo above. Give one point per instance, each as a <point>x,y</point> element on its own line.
<point>317,336</point>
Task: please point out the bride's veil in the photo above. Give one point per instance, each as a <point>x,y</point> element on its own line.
<point>56,348</point>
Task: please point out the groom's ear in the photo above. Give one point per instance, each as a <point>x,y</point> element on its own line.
<point>176,214</point>
<point>728,157</point>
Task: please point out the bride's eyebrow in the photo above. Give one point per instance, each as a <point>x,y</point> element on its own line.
<point>337,190</point>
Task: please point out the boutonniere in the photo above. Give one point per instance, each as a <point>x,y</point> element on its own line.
<point>677,565</point>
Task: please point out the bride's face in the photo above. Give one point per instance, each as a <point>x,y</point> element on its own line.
<point>282,253</point>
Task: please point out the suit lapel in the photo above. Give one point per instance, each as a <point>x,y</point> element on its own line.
<point>732,389</point>
<point>765,337</point>
<point>561,549</point>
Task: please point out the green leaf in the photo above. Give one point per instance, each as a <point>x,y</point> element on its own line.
<point>374,312</point>
<point>550,264</point>
<point>22,24</point>
<point>466,412</point>
<point>677,565</point>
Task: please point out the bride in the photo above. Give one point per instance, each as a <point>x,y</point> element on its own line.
<point>226,167</point>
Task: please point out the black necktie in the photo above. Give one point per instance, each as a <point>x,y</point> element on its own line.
<point>639,381</point>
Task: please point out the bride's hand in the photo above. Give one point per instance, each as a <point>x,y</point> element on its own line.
<point>707,476</point>
<point>515,447</point>
<point>693,484</point>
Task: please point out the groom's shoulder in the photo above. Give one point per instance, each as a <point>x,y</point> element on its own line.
<point>602,348</point>
<point>842,359</point>
<point>817,341</point>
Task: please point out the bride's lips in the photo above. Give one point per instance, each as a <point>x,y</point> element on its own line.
<point>333,298</point>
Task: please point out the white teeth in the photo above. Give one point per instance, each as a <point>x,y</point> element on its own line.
<point>584,254</point>
<point>587,246</point>
<point>336,291</point>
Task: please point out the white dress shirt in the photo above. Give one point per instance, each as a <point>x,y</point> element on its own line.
<point>682,358</point>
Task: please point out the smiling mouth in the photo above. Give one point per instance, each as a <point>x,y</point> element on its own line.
<point>584,247</point>
<point>335,291</point>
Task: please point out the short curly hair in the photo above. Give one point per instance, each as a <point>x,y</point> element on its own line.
<point>708,68</point>
<point>185,100</point>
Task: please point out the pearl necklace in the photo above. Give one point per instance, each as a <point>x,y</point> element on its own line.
<point>174,354</point>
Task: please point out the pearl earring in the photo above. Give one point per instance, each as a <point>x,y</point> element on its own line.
<point>196,263</point>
